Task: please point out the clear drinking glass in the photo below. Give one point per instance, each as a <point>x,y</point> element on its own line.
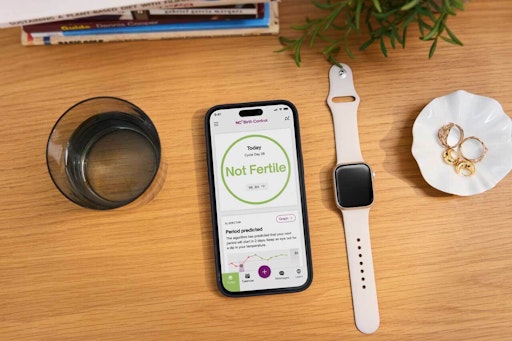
<point>104,153</point>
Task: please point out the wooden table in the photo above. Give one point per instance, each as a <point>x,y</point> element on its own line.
<point>443,263</point>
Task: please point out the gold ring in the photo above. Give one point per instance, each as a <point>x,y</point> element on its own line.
<point>482,153</point>
<point>465,167</point>
<point>450,156</point>
<point>445,130</point>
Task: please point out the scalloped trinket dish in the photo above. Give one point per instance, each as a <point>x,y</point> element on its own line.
<point>478,116</point>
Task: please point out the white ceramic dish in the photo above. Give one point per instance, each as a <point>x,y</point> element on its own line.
<point>478,116</point>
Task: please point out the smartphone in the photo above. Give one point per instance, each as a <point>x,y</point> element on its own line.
<point>258,199</point>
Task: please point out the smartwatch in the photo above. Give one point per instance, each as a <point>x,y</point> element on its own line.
<point>353,188</point>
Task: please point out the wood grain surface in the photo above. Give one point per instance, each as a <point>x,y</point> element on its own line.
<point>443,263</point>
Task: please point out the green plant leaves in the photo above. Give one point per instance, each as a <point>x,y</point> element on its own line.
<point>383,47</point>
<point>409,5</point>
<point>453,39</point>
<point>376,3</point>
<point>432,49</point>
<point>387,22</point>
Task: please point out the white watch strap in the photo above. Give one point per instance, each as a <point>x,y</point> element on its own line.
<point>355,221</point>
<point>360,262</point>
<point>344,114</point>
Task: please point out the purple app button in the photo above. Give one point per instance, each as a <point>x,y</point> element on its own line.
<point>264,271</point>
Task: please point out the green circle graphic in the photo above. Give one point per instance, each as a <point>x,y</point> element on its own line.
<point>255,202</point>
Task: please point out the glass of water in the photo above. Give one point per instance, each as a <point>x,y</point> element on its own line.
<point>104,153</point>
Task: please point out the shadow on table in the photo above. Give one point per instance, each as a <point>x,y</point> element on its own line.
<point>399,160</point>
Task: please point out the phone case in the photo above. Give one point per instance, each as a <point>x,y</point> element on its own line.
<point>213,204</point>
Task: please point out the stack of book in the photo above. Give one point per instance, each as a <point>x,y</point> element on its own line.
<point>157,20</point>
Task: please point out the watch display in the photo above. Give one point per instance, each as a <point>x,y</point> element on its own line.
<point>353,185</point>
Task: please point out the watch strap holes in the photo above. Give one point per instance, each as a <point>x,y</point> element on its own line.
<point>361,270</point>
<point>343,99</point>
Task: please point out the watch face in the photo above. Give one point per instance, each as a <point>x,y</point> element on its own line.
<point>353,185</point>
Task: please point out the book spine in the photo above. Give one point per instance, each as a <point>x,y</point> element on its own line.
<point>149,20</point>
<point>205,3</point>
<point>131,7</point>
<point>202,11</point>
<point>59,29</point>
<point>183,26</point>
<point>28,40</point>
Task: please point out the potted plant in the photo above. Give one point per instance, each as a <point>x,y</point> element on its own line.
<point>384,22</point>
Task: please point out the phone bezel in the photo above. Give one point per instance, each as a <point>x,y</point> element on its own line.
<point>213,200</point>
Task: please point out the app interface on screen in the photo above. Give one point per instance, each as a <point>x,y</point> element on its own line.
<point>259,210</point>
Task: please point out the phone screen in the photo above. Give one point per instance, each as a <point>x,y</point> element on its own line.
<point>258,198</point>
